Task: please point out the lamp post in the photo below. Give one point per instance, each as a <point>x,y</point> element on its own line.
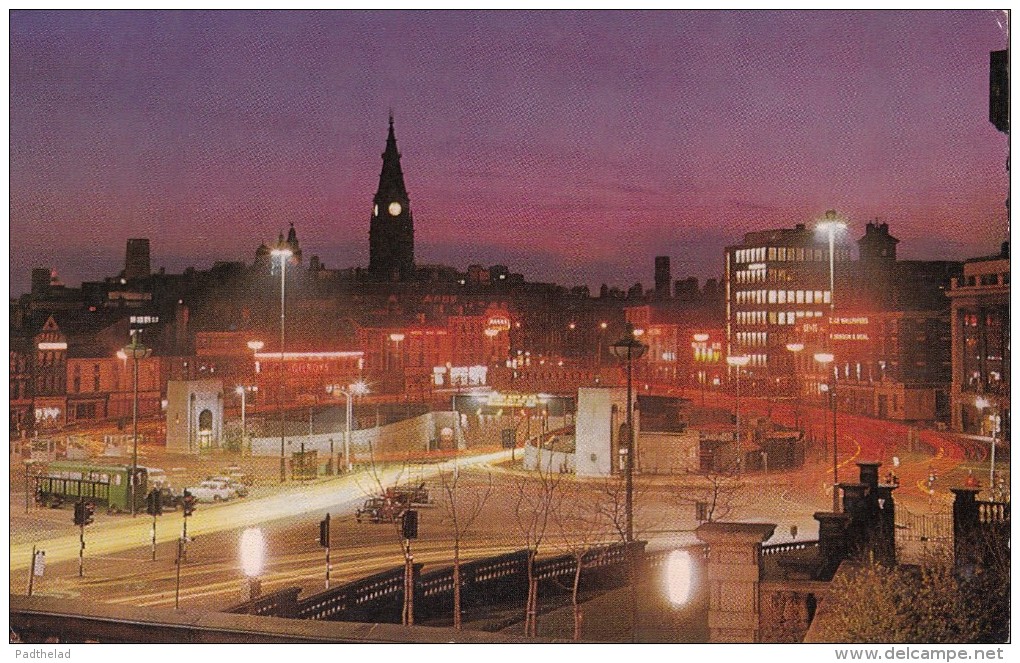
<point>981,402</point>
<point>829,226</point>
<point>701,354</point>
<point>243,391</point>
<point>135,351</point>
<point>738,362</point>
<point>795,348</point>
<point>284,255</point>
<point>355,389</point>
<point>826,358</point>
<point>629,348</point>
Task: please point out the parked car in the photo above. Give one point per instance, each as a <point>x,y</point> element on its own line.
<point>212,491</point>
<point>169,499</point>
<point>379,510</point>
<point>237,474</point>
<point>234,484</point>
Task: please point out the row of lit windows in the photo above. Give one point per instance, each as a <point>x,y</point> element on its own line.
<point>755,339</point>
<point>751,276</point>
<point>783,297</point>
<point>784,254</point>
<point>774,317</point>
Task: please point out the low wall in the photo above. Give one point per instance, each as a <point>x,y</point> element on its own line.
<point>549,461</point>
<point>421,433</point>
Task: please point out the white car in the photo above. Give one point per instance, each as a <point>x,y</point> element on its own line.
<point>239,488</point>
<point>212,491</point>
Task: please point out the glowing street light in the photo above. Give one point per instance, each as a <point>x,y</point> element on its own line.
<point>795,348</point>
<point>679,577</point>
<point>253,557</point>
<point>284,254</point>
<point>629,348</point>
<point>356,389</point>
<point>738,362</point>
<point>981,403</point>
<point>829,226</point>
<point>826,358</point>
<point>243,391</point>
<point>135,351</point>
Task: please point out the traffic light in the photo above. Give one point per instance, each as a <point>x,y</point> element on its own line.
<point>188,503</point>
<point>153,503</point>
<point>79,513</point>
<point>324,532</point>
<point>409,525</point>
<point>90,513</point>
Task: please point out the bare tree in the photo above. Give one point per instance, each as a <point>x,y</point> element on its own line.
<point>719,491</point>
<point>583,524</point>
<point>535,500</point>
<point>462,505</point>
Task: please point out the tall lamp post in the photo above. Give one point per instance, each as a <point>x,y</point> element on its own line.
<point>284,255</point>
<point>629,349</point>
<point>738,362</point>
<point>135,351</point>
<point>795,348</point>
<point>829,226</point>
<point>355,389</point>
<point>826,358</point>
<point>981,402</point>
<point>243,391</point>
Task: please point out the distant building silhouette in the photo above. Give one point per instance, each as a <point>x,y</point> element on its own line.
<point>391,233</point>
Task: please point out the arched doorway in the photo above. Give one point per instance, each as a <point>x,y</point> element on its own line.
<point>205,429</point>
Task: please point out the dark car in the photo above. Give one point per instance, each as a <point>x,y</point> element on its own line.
<point>379,510</point>
<point>408,495</point>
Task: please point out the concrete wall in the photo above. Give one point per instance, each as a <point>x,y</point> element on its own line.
<point>550,461</point>
<point>596,429</point>
<point>667,453</point>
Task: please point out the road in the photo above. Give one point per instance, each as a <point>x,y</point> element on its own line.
<point>118,564</point>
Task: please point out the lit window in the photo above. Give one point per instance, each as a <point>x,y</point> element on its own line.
<point>810,297</point>
<point>828,297</point>
<point>782,296</point>
<point>772,253</point>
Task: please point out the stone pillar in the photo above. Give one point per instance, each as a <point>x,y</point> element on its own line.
<point>832,541</point>
<point>856,505</point>
<point>966,525</point>
<point>733,574</point>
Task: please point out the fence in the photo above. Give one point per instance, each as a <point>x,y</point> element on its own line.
<point>923,527</point>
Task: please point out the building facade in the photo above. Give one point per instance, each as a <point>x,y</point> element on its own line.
<point>980,346</point>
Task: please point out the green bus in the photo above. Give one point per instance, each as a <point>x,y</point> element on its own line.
<point>67,481</point>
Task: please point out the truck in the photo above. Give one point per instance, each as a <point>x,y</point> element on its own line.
<point>109,486</point>
<point>408,495</point>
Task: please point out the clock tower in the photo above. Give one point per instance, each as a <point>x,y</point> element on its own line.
<point>391,233</point>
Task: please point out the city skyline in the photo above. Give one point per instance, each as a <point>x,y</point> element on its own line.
<point>523,135</point>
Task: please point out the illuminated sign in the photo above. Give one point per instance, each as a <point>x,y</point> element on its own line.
<point>499,323</point>
<point>497,399</point>
<point>849,337</point>
<point>298,356</point>
<point>52,346</point>
<point>850,321</point>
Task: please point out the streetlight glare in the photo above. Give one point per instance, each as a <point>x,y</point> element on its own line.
<point>679,577</point>
<point>794,347</point>
<point>281,253</point>
<point>253,552</point>
<point>739,360</point>
<point>824,357</point>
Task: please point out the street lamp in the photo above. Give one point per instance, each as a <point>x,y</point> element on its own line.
<point>135,351</point>
<point>829,226</point>
<point>284,255</point>
<point>355,389</point>
<point>629,348</point>
<point>679,577</point>
<point>981,403</point>
<point>826,358</point>
<point>795,348</point>
<point>243,391</point>
<point>738,362</point>
<point>253,557</point>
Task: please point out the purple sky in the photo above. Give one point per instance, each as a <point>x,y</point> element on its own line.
<point>573,147</point>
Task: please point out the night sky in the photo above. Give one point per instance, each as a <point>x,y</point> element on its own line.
<point>572,147</point>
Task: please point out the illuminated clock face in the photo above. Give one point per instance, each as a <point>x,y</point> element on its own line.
<point>395,208</point>
<point>375,210</point>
